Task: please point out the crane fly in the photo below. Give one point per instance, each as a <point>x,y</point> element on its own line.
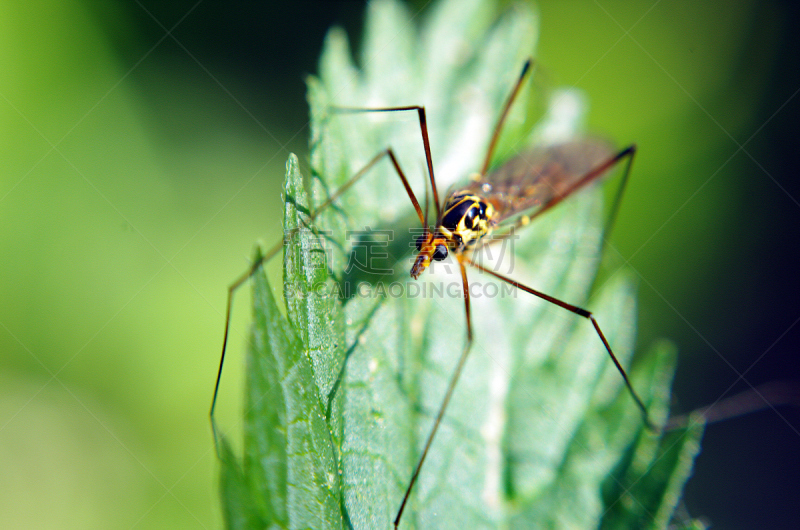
<point>495,202</point>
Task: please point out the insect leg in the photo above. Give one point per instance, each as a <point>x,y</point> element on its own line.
<point>448,394</point>
<point>595,173</point>
<point>279,245</point>
<point>423,125</point>
<point>588,315</point>
<point>500,121</point>
<point>629,153</point>
<point>766,396</point>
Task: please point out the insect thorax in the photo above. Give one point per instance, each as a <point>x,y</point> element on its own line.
<point>467,218</point>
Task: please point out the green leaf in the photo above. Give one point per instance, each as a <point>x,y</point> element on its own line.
<point>342,392</point>
<point>289,477</point>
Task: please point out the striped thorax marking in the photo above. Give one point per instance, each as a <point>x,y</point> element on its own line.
<point>467,218</point>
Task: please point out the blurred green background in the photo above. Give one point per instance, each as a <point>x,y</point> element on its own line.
<point>143,146</point>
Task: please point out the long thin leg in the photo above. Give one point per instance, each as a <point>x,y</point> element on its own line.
<point>447,395</point>
<point>423,125</point>
<point>586,314</point>
<point>279,245</point>
<point>589,177</point>
<point>766,396</point>
<point>500,121</point>
<point>627,153</point>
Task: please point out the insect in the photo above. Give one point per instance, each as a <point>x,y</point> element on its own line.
<point>496,202</point>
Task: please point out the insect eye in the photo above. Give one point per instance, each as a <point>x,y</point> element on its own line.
<point>420,241</point>
<point>440,253</point>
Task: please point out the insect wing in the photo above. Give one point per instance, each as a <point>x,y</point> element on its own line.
<point>537,179</point>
